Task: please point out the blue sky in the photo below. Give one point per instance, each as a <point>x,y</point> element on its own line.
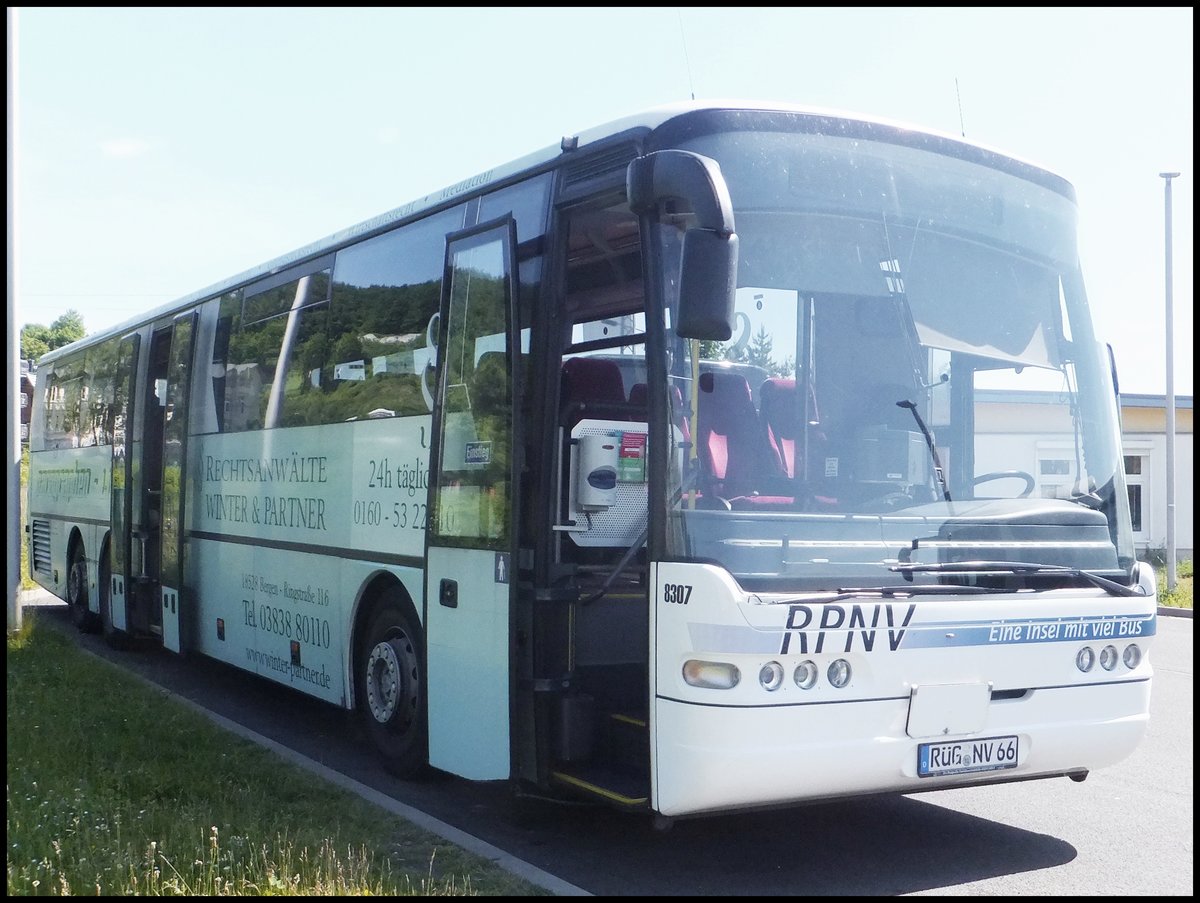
<point>159,151</point>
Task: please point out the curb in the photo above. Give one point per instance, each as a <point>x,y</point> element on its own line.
<point>1170,612</point>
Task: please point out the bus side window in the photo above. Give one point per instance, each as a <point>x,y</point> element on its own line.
<point>228,314</point>
<point>250,371</point>
<point>379,336</point>
<point>304,401</point>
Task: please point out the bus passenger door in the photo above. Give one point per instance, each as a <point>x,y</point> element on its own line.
<point>174,474</point>
<point>120,541</point>
<point>473,508</point>
<point>136,602</point>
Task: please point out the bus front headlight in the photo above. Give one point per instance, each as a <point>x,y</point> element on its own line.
<point>806,675</point>
<point>711,675</point>
<point>1085,658</point>
<point>770,676</point>
<point>839,673</point>
<point>1108,658</point>
<point>1132,656</point>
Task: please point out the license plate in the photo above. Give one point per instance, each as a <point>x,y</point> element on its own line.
<point>966,756</point>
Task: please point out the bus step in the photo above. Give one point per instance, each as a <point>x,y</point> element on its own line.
<point>617,787</point>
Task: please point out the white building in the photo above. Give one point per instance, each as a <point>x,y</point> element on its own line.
<point>1021,424</point>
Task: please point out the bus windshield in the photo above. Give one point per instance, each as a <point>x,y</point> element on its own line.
<point>893,304</point>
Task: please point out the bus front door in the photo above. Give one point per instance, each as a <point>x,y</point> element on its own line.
<point>147,485</point>
<point>472,535</point>
<point>177,390</point>
<point>114,610</point>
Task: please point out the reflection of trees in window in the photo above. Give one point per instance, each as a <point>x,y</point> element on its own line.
<point>282,298</point>
<point>250,372</point>
<point>492,412</point>
<point>102,363</point>
<point>249,364</point>
<point>63,404</point>
<point>758,352</point>
<point>303,377</point>
<point>81,398</point>
<point>385,293</point>
<point>362,359</point>
<point>230,311</point>
<point>249,341</point>
<point>478,305</point>
<point>475,492</point>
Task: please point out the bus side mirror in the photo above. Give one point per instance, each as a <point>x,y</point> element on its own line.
<point>706,287</point>
<point>708,269</point>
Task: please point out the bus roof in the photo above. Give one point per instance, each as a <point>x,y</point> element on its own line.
<point>647,121</point>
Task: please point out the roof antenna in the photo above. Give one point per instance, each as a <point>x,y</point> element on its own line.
<point>961,127</point>
<point>686,61</point>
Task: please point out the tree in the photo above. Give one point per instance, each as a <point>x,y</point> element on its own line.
<point>37,339</point>
<point>67,329</point>
<point>760,350</point>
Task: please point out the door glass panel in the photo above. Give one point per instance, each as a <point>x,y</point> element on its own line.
<point>474,488</point>
<point>122,414</point>
<point>174,444</point>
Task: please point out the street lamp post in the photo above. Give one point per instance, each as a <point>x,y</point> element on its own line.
<point>1167,177</point>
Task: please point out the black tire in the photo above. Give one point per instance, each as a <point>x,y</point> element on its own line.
<point>77,591</point>
<point>389,685</point>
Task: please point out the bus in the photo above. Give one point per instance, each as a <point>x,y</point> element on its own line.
<point>644,470</point>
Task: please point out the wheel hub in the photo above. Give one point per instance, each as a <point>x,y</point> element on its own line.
<point>385,679</point>
<point>75,582</point>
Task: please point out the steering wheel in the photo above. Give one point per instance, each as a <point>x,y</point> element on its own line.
<point>1005,474</point>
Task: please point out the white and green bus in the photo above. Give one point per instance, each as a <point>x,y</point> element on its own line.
<point>646,469</point>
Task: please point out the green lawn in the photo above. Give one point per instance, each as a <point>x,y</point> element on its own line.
<point>1181,597</point>
<point>115,788</point>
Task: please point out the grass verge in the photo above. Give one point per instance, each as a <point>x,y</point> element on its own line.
<point>1181,596</point>
<point>115,788</point>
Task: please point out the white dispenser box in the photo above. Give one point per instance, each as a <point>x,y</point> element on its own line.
<point>596,488</point>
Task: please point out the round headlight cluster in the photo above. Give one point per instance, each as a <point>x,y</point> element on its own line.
<point>806,675</point>
<point>1109,657</point>
<point>1132,656</point>
<point>770,676</point>
<point>839,673</point>
<point>709,675</point>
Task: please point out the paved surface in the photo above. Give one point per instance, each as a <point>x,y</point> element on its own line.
<point>995,840</point>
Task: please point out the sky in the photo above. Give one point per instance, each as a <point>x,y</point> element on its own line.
<point>155,152</point>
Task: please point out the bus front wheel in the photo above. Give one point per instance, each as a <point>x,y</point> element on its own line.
<point>390,697</point>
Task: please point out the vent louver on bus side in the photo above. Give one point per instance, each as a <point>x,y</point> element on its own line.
<point>598,165</point>
<point>40,547</point>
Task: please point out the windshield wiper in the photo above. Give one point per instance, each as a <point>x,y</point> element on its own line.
<point>937,464</point>
<point>1016,567</point>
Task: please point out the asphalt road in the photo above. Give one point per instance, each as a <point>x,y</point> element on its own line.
<point>1126,830</point>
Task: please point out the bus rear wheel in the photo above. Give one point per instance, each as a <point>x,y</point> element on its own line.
<point>77,591</point>
<point>390,694</point>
